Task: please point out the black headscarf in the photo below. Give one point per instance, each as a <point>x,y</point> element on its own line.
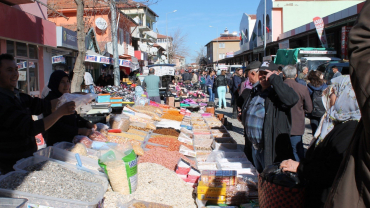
<point>54,82</point>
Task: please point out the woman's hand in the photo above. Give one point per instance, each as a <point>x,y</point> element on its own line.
<point>289,166</point>
<point>84,131</point>
<point>91,126</point>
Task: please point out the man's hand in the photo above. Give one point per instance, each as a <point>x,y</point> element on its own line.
<point>289,166</point>
<point>269,73</point>
<point>67,108</point>
<point>239,117</point>
<point>91,126</point>
<point>84,131</point>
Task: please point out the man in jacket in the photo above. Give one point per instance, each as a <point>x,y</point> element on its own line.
<point>17,128</point>
<point>186,77</point>
<point>194,80</point>
<point>237,80</point>
<point>336,72</point>
<point>351,187</point>
<point>152,83</point>
<point>298,111</point>
<point>267,118</point>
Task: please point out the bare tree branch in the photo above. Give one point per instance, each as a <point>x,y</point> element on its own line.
<point>179,45</point>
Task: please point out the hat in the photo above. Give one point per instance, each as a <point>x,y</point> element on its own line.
<point>268,65</point>
<point>253,65</point>
<point>186,70</point>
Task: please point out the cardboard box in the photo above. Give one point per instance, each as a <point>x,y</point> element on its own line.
<point>212,191</point>
<point>170,101</point>
<point>177,104</point>
<point>219,199</point>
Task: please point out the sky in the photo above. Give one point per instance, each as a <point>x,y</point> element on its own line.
<point>194,17</point>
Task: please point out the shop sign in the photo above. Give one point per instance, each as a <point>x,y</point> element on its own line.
<point>22,76</point>
<point>317,52</point>
<point>125,63</point>
<point>22,65</point>
<point>58,59</point>
<point>91,58</point>
<point>66,38</point>
<point>344,41</point>
<point>284,44</point>
<point>229,54</point>
<point>164,70</point>
<point>319,24</point>
<point>106,60</point>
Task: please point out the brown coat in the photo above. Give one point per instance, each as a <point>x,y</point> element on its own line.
<point>351,188</point>
<point>303,106</point>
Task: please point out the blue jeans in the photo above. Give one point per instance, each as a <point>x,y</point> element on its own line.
<point>221,91</point>
<point>258,159</point>
<point>92,89</point>
<point>297,145</point>
<point>211,95</point>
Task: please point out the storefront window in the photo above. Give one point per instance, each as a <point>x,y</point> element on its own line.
<point>10,47</point>
<point>33,76</point>
<point>33,52</point>
<point>21,49</point>
<point>22,80</point>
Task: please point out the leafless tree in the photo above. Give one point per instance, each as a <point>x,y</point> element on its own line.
<point>201,53</point>
<point>179,45</point>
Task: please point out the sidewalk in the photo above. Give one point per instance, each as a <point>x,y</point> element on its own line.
<point>237,131</point>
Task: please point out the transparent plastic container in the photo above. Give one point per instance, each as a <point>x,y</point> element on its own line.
<point>37,200</point>
<point>12,202</point>
<point>22,164</point>
<point>69,157</point>
<point>224,144</point>
<point>68,146</point>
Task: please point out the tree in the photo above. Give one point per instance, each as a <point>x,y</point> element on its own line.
<point>200,54</point>
<point>178,45</point>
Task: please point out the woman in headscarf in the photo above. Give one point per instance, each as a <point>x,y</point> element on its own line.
<point>324,156</point>
<point>69,126</point>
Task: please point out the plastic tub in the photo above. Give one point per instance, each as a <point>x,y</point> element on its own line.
<point>224,144</point>
<point>38,200</point>
<point>68,146</point>
<point>22,164</point>
<point>68,157</point>
<point>12,202</point>
<point>103,98</point>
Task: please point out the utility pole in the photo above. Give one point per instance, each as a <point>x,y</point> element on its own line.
<point>168,57</point>
<point>264,29</point>
<point>114,26</point>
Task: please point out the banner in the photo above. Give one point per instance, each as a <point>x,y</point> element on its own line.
<point>230,54</point>
<point>319,24</point>
<point>344,41</point>
<point>58,59</point>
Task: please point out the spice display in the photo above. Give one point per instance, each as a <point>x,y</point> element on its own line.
<point>173,115</point>
<point>172,143</point>
<point>80,149</point>
<point>203,144</point>
<point>149,108</point>
<point>83,139</point>
<point>97,136</point>
<point>168,159</point>
<point>154,116</point>
<point>134,131</point>
<point>187,132</point>
<point>167,131</point>
<point>58,185</point>
<point>126,135</point>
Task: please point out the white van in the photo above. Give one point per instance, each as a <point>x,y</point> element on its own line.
<point>314,62</point>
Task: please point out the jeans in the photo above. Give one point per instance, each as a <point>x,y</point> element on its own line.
<point>211,95</point>
<point>92,89</point>
<point>221,91</point>
<point>258,159</point>
<point>297,145</point>
<point>203,88</point>
<point>314,121</point>
<point>156,99</point>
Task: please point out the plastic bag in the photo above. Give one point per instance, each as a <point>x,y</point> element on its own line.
<point>275,175</point>
<point>97,136</point>
<point>79,99</point>
<point>84,140</point>
<point>80,149</point>
<point>141,100</point>
<point>101,126</point>
<point>120,164</point>
<point>120,122</point>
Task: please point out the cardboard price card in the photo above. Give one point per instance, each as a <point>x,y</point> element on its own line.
<point>186,151</point>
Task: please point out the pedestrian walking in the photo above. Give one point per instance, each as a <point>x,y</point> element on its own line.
<point>152,83</point>
<point>221,89</point>
<point>298,111</point>
<point>315,88</point>
<point>186,77</point>
<point>266,116</point>
<point>209,83</point>
<point>202,81</point>
<point>89,82</point>
<point>236,81</point>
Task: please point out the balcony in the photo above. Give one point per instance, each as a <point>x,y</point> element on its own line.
<point>151,34</point>
<point>16,2</point>
<point>144,28</point>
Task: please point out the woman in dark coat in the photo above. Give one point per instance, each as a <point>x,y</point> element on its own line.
<point>67,127</point>
<point>334,134</point>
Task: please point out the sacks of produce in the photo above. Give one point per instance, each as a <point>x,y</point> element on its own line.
<point>120,165</point>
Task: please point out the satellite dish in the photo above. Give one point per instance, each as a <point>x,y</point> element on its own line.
<point>101,23</point>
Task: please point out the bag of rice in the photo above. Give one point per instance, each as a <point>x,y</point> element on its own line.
<point>120,164</point>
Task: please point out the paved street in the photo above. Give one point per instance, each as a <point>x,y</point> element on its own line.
<point>237,131</point>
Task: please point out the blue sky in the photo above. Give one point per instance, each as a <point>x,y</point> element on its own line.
<point>195,16</point>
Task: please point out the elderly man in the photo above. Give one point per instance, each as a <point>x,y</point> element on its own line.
<point>304,73</point>
<point>152,83</point>
<point>298,111</point>
<point>266,118</point>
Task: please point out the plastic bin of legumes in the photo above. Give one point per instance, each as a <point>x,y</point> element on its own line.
<point>69,157</point>
<point>68,146</point>
<point>47,201</point>
<point>22,164</point>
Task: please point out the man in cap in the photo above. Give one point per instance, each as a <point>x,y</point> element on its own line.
<point>266,118</point>
<point>152,83</point>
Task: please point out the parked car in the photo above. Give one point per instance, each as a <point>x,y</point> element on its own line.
<point>326,69</point>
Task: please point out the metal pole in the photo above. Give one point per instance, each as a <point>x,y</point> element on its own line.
<point>168,59</point>
<point>264,29</point>
<point>218,55</point>
<point>116,70</point>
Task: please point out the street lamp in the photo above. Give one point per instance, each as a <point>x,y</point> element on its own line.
<point>217,44</point>
<point>168,59</point>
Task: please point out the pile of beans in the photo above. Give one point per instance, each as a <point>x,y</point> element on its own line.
<point>168,159</point>
<point>167,131</point>
<point>134,131</point>
<point>172,144</point>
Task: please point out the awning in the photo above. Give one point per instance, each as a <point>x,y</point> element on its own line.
<point>93,57</point>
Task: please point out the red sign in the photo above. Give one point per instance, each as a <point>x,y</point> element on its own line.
<point>344,41</point>
<point>319,24</point>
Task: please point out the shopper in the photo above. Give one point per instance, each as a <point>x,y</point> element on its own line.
<point>336,72</point>
<point>209,83</point>
<point>221,89</point>
<point>186,77</point>
<point>298,111</point>
<point>202,80</point>
<point>303,74</point>
<point>89,82</point>
<point>236,81</point>
<point>67,127</point>
<point>267,118</point>
<point>316,87</point>
<point>18,129</point>
<point>101,80</point>
<point>152,83</point>
<point>194,79</point>
<point>324,156</point>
